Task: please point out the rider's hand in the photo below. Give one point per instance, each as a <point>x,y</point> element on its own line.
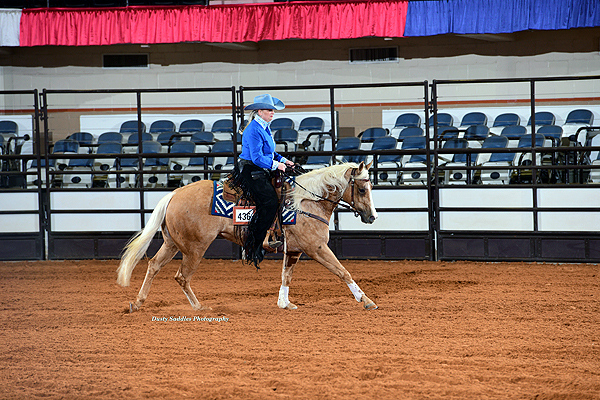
<point>289,163</point>
<point>281,167</point>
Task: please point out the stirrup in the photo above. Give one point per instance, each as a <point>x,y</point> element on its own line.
<point>275,244</point>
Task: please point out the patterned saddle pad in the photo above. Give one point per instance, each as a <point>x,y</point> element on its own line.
<point>224,208</point>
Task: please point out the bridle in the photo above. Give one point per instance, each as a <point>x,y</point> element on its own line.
<point>351,182</point>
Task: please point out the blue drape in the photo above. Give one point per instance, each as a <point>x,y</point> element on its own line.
<point>436,17</point>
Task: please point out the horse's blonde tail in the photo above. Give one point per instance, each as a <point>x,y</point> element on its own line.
<point>137,246</point>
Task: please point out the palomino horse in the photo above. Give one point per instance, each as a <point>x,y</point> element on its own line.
<point>187,225</point>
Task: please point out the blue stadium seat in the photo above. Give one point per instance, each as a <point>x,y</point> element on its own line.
<point>387,160</point>
<point>368,136</point>
<point>474,118</point>
<point>285,139</point>
<point>191,126</point>
<point>281,123</point>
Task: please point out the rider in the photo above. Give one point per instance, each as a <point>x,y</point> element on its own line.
<point>257,160</point>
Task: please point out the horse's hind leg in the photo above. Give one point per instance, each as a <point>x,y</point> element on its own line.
<point>165,254</point>
<point>184,276</point>
<point>289,262</point>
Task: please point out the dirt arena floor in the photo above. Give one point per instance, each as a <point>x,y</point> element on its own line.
<point>457,330</point>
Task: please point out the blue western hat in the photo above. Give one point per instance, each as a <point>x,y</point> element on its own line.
<point>265,102</point>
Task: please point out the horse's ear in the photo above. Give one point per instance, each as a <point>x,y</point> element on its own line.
<point>369,165</point>
<point>360,167</point>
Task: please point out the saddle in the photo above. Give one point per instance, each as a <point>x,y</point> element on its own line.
<point>233,194</point>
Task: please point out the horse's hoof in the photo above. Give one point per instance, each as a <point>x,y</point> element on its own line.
<point>291,306</point>
<point>132,308</point>
<point>369,304</point>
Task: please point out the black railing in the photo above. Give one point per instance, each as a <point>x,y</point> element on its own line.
<point>561,166</point>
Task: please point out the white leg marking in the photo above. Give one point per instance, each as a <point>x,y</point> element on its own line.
<point>283,300</point>
<point>358,294</point>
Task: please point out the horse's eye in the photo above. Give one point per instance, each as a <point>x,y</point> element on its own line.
<point>362,191</point>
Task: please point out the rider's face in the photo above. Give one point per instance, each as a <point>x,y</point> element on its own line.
<point>267,115</point>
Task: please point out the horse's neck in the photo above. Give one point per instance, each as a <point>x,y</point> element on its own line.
<point>324,207</point>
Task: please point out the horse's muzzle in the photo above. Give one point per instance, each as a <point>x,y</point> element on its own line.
<point>367,219</point>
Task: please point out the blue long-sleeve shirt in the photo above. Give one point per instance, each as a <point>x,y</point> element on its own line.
<point>258,145</point>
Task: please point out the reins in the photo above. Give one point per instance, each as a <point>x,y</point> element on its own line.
<point>337,202</point>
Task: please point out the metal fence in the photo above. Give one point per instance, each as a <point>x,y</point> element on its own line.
<point>544,210</point>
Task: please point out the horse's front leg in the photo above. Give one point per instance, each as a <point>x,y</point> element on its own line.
<point>289,262</point>
<point>325,256</point>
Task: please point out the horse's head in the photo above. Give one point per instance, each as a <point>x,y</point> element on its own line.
<point>358,192</point>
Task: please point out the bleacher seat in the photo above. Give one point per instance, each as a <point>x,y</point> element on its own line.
<point>314,162</point>
<point>474,118</point>
<point>446,133</point>
<point>281,123</point>
<point>221,164</point>
<point>504,120</point>
<point>65,146</point>
<point>414,161</point>
<point>317,141</point>
<point>222,129</point>
<point>307,126</point>
<point>521,175</point>
<point>387,160</point>
<point>128,178</point>
<point>406,120</point>
<point>575,120</point>
<point>133,140</point>
<point>552,132</point>
<point>129,127</point>
<point>108,165</point>
<point>443,119</point>
<point>32,180</point>
<point>410,131</point>
<point>9,129</point>
<point>196,163</point>
<point>513,133</point>
<point>368,136</point>
<point>166,139</point>
<point>85,140</point>
<point>285,139</point>
<point>458,161</point>
<point>476,134</point>
<point>500,160</point>
<point>154,167</point>
<point>175,179</point>
<point>203,141</point>
<point>110,137</point>
<point>349,143</point>
<point>79,173</point>
<point>161,126</point>
<point>541,118</point>
<point>191,126</point>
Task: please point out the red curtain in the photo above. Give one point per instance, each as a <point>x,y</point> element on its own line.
<point>220,24</point>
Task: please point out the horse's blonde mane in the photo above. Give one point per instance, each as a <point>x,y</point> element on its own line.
<point>321,182</point>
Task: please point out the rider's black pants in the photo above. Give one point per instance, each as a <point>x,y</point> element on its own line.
<point>258,183</point>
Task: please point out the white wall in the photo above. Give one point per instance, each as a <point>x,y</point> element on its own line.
<point>311,72</point>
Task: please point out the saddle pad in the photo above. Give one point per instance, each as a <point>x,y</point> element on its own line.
<point>224,208</point>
